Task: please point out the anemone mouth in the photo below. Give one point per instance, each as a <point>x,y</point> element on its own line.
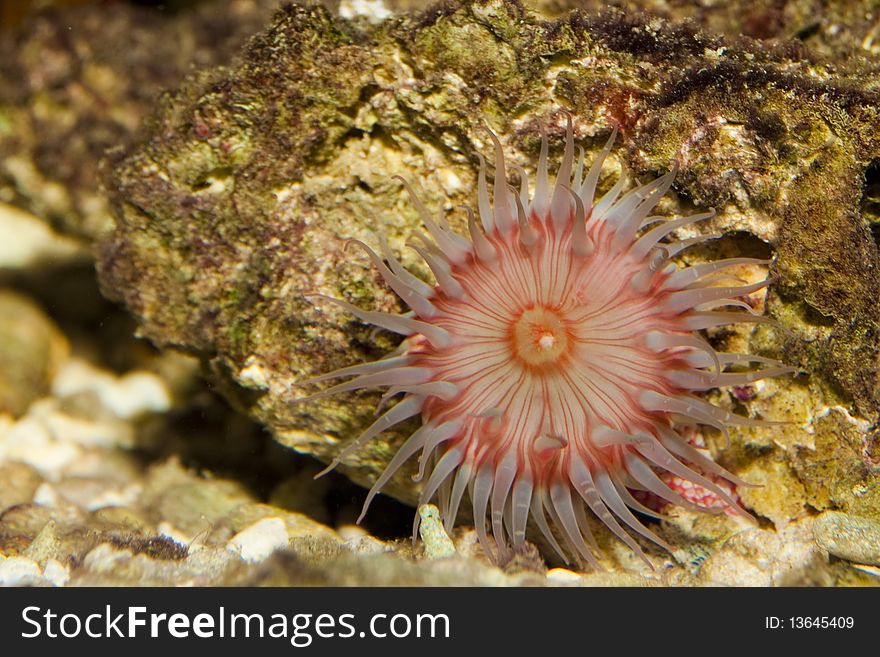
<point>540,338</point>
<point>553,357</point>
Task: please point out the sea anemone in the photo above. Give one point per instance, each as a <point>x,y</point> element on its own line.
<point>556,358</point>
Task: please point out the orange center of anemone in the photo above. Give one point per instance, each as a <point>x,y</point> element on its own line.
<point>540,337</point>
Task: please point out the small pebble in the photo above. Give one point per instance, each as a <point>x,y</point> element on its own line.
<point>563,576</point>
<point>18,571</point>
<point>437,542</point>
<point>56,572</point>
<point>854,538</point>
<point>258,541</point>
<point>351,532</point>
<point>128,396</point>
<point>46,495</point>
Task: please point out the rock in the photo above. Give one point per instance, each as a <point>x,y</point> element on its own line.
<point>56,572</point>
<point>46,545</point>
<point>35,242</point>
<point>135,393</point>
<point>297,525</point>
<point>107,564</point>
<point>760,557</point>
<point>76,81</point>
<point>564,576</point>
<point>229,214</point>
<point>194,506</point>
<point>18,483</point>
<point>19,571</point>
<point>849,537</point>
<point>22,571</point>
<point>256,542</point>
<point>31,349</point>
<point>437,542</point>
<point>828,29</point>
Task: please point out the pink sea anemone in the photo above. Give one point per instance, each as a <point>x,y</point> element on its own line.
<point>556,358</point>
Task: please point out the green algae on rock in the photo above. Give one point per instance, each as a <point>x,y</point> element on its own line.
<point>77,81</point>
<point>849,537</point>
<point>231,208</point>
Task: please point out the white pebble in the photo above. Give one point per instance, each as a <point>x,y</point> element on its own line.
<point>56,572</point>
<point>351,532</point>
<point>254,375</point>
<point>127,397</point>
<point>30,441</point>
<point>373,10</point>
<point>127,496</point>
<point>34,241</point>
<point>17,571</point>
<point>46,495</point>
<point>563,576</point>
<point>260,540</point>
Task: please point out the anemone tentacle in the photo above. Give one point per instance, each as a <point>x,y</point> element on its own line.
<point>555,357</point>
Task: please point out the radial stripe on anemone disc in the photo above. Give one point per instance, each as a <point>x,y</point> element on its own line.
<point>556,359</point>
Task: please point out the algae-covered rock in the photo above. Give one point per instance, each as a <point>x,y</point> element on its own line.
<point>76,81</point>
<point>849,537</point>
<point>836,29</point>
<point>232,208</point>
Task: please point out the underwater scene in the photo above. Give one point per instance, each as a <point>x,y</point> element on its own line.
<point>533,293</point>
